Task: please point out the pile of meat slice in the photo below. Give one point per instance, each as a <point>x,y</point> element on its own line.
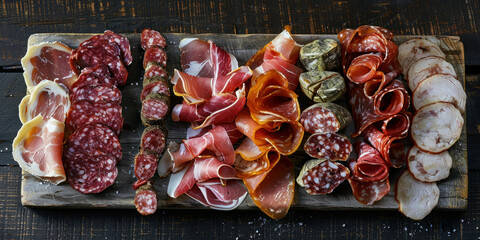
<point>379,103</point>
<point>92,151</point>
<point>213,91</point>
<point>155,99</point>
<point>439,101</point>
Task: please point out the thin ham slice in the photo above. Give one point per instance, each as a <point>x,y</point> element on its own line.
<point>217,196</point>
<point>288,70</point>
<point>208,168</point>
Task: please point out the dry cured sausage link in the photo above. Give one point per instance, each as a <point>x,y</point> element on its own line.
<point>330,146</point>
<point>325,117</point>
<point>146,199</point>
<point>153,139</point>
<point>156,55</point>
<point>145,165</point>
<point>154,108</point>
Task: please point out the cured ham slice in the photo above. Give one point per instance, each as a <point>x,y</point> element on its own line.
<point>48,61</point>
<point>290,71</point>
<point>47,99</point>
<point>217,196</point>
<point>182,181</point>
<point>415,49</point>
<point>230,128</point>
<point>273,191</point>
<point>415,199</point>
<point>246,168</point>
<point>165,164</point>
<point>38,149</point>
<point>427,67</point>
<point>208,168</point>
<point>436,127</point>
<point>428,167</point>
<point>439,88</point>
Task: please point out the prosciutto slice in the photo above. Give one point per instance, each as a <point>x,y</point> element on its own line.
<point>217,196</point>
<point>38,149</point>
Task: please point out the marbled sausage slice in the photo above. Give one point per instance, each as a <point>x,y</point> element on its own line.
<point>428,167</point>
<point>415,199</point>
<point>427,67</point>
<point>439,88</point>
<point>415,49</point>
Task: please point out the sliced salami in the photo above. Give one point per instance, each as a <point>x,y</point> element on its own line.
<point>93,76</point>
<point>152,38</point>
<point>85,112</point>
<point>153,139</point>
<point>436,127</point>
<point>384,144</point>
<point>122,43</point>
<point>428,167</point>
<point>145,165</point>
<point>440,88</point>
<point>97,93</point>
<point>118,70</point>
<point>415,199</point>
<point>415,49</point>
<point>90,172</point>
<point>91,137</point>
<point>159,87</point>
<point>92,52</point>
<point>368,193</point>
<point>330,146</point>
<point>154,69</point>
<point>146,199</point>
<point>370,166</point>
<point>427,67</point>
<point>156,55</point>
<point>323,177</point>
<point>154,108</point>
<point>325,117</point>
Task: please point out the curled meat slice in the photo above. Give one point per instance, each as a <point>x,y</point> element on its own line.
<point>427,67</point>
<point>364,67</point>
<point>388,145</point>
<point>37,148</point>
<point>47,99</point>
<point>370,166</point>
<point>440,88</point>
<point>48,61</point>
<point>428,167</point>
<point>415,49</point>
<point>436,127</point>
<point>330,146</point>
<point>415,199</point>
<point>368,193</point>
<point>251,167</point>
<point>218,195</point>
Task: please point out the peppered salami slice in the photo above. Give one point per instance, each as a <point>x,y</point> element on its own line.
<point>330,146</point>
<point>154,108</point>
<point>90,172</point>
<point>145,165</point>
<point>154,69</point>
<point>91,53</point>
<point>153,139</point>
<point>160,87</point>
<point>152,38</point>
<point>98,93</point>
<point>146,199</point>
<point>91,137</point>
<point>324,177</point>
<point>155,54</point>
<point>85,112</point>
<point>325,117</point>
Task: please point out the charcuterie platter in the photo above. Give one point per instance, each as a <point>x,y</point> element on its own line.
<point>35,193</point>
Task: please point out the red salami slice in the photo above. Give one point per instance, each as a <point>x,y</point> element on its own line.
<point>122,43</point>
<point>155,54</point>
<point>330,146</point>
<point>325,117</point>
<point>146,199</point>
<point>369,167</point>
<point>153,139</point>
<point>160,87</point>
<point>154,108</point>
<point>397,125</point>
<point>91,53</point>
<point>152,38</point>
<point>93,76</point>
<point>90,172</point>
<point>91,137</point>
<point>145,165</point>
<point>85,112</point>
<point>154,70</point>
<point>324,177</point>
<point>98,93</point>
<point>364,67</point>
<point>383,143</point>
<point>118,70</point>
<point>369,192</point>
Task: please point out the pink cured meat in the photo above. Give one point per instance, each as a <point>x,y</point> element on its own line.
<point>233,133</point>
<point>364,67</point>
<point>370,166</point>
<point>369,192</point>
<point>152,38</point>
<point>154,70</point>
<point>366,111</point>
<point>90,172</point>
<point>153,140</point>
<point>156,55</point>
<point>146,199</point>
<point>91,137</point>
<point>98,93</point>
<point>160,87</point>
<point>384,143</point>
<point>85,112</point>
<point>122,43</point>
<point>218,195</point>
<point>330,146</point>
<point>324,178</point>
<point>145,165</point>
<point>290,71</point>
<point>93,76</point>
<point>208,168</point>
<point>154,108</point>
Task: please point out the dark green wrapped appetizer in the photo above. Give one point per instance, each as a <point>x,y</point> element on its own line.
<point>322,86</point>
<point>321,55</point>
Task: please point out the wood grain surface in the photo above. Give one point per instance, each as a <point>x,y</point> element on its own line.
<point>35,193</point>
<point>20,19</point>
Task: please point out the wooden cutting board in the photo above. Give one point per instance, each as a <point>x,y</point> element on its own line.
<point>35,193</point>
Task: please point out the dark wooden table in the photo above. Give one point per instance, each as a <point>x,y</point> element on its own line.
<point>19,19</point>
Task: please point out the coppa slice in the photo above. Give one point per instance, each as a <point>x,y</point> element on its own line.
<point>38,149</point>
<point>47,99</point>
<point>330,146</point>
<point>48,61</point>
<point>415,199</point>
